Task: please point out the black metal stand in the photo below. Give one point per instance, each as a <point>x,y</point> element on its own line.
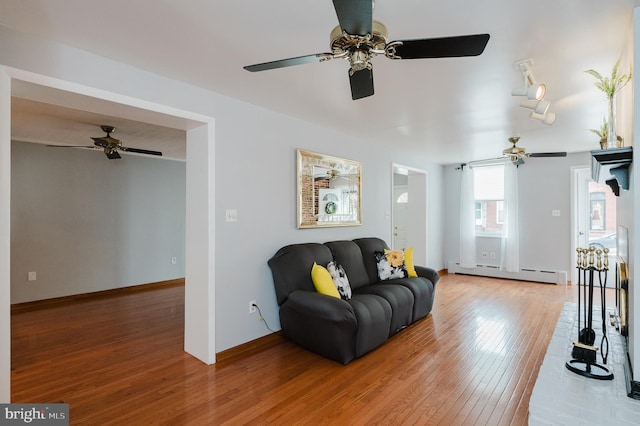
<point>584,353</point>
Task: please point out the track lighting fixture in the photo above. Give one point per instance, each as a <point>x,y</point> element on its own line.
<point>534,93</point>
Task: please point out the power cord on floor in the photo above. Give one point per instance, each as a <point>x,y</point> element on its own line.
<point>262,318</point>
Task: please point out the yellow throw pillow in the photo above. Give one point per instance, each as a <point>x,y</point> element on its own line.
<point>408,262</point>
<point>323,282</point>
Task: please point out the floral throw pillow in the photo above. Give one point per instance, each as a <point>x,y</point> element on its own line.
<point>390,264</point>
<point>340,279</point>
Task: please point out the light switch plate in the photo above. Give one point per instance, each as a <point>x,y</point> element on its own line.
<point>231,215</point>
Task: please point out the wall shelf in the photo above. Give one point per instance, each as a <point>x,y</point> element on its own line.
<point>611,166</point>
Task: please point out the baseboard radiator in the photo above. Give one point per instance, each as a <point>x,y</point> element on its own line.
<point>525,274</point>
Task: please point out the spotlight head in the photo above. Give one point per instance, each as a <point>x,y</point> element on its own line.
<point>539,107</point>
<point>537,91</point>
<point>534,92</point>
<point>548,118</point>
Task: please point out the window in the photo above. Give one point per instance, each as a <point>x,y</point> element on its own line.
<point>488,190</point>
<point>500,212</point>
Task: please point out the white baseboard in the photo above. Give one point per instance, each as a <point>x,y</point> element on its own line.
<point>525,274</point>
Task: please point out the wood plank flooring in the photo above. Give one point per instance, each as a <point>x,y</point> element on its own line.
<point>119,360</point>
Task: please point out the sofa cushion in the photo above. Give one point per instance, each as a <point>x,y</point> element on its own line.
<point>322,281</point>
<point>423,292</point>
<point>340,280</point>
<point>368,247</point>
<point>291,264</point>
<point>349,255</point>
<point>373,314</point>
<point>401,300</point>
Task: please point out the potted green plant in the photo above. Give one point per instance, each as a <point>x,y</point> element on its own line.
<point>603,134</point>
<point>610,86</point>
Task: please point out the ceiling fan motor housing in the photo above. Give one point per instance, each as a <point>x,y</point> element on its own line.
<point>359,49</point>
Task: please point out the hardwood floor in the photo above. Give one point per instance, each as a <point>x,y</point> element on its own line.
<point>119,360</point>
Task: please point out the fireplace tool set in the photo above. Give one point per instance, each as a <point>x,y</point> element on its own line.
<point>591,262</point>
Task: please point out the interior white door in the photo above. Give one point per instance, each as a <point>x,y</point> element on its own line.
<point>580,234</point>
<point>400,211</point>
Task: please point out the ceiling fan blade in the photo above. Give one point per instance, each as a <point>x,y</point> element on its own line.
<point>112,154</point>
<point>299,60</point>
<point>548,154</point>
<point>140,151</point>
<point>355,16</point>
<point>444,47</point>
<point>361,84</point>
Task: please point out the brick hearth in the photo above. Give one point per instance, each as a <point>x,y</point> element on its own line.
<point>562,397</point>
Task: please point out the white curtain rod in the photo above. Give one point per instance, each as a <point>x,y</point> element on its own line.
<point>487,162</point>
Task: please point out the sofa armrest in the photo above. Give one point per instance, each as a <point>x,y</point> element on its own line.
<point>429,273</point>
<point>324,324</point>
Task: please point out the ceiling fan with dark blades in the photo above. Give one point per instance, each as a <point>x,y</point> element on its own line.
<point>110,145</point>
<point>518,154</point>
<point>359,38</point>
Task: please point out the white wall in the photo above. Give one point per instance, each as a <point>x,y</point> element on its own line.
<point>262,162</point>
<point>85,223</point>
<point>254,173</point>
<point>544,184</point>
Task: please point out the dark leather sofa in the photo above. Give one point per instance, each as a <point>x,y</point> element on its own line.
<point>346,329</point>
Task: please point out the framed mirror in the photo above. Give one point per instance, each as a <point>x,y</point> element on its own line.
<point>328,191</point>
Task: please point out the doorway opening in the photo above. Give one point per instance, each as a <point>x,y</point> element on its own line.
<point>199,339</point>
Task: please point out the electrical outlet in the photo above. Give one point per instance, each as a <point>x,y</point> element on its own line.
<point>253,307</point>
<point>492,255</point>
<point>174,260</point>
<point>485,254</point>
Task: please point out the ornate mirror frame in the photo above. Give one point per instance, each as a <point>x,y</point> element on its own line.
<point>329,191</point>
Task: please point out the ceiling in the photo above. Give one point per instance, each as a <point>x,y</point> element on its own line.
<point>452,109</point>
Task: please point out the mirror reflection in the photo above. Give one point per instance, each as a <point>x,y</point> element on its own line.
<point>328,191</point>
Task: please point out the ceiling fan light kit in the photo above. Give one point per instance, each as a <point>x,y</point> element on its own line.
<point>358,38</point>
<point>534,92</point>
